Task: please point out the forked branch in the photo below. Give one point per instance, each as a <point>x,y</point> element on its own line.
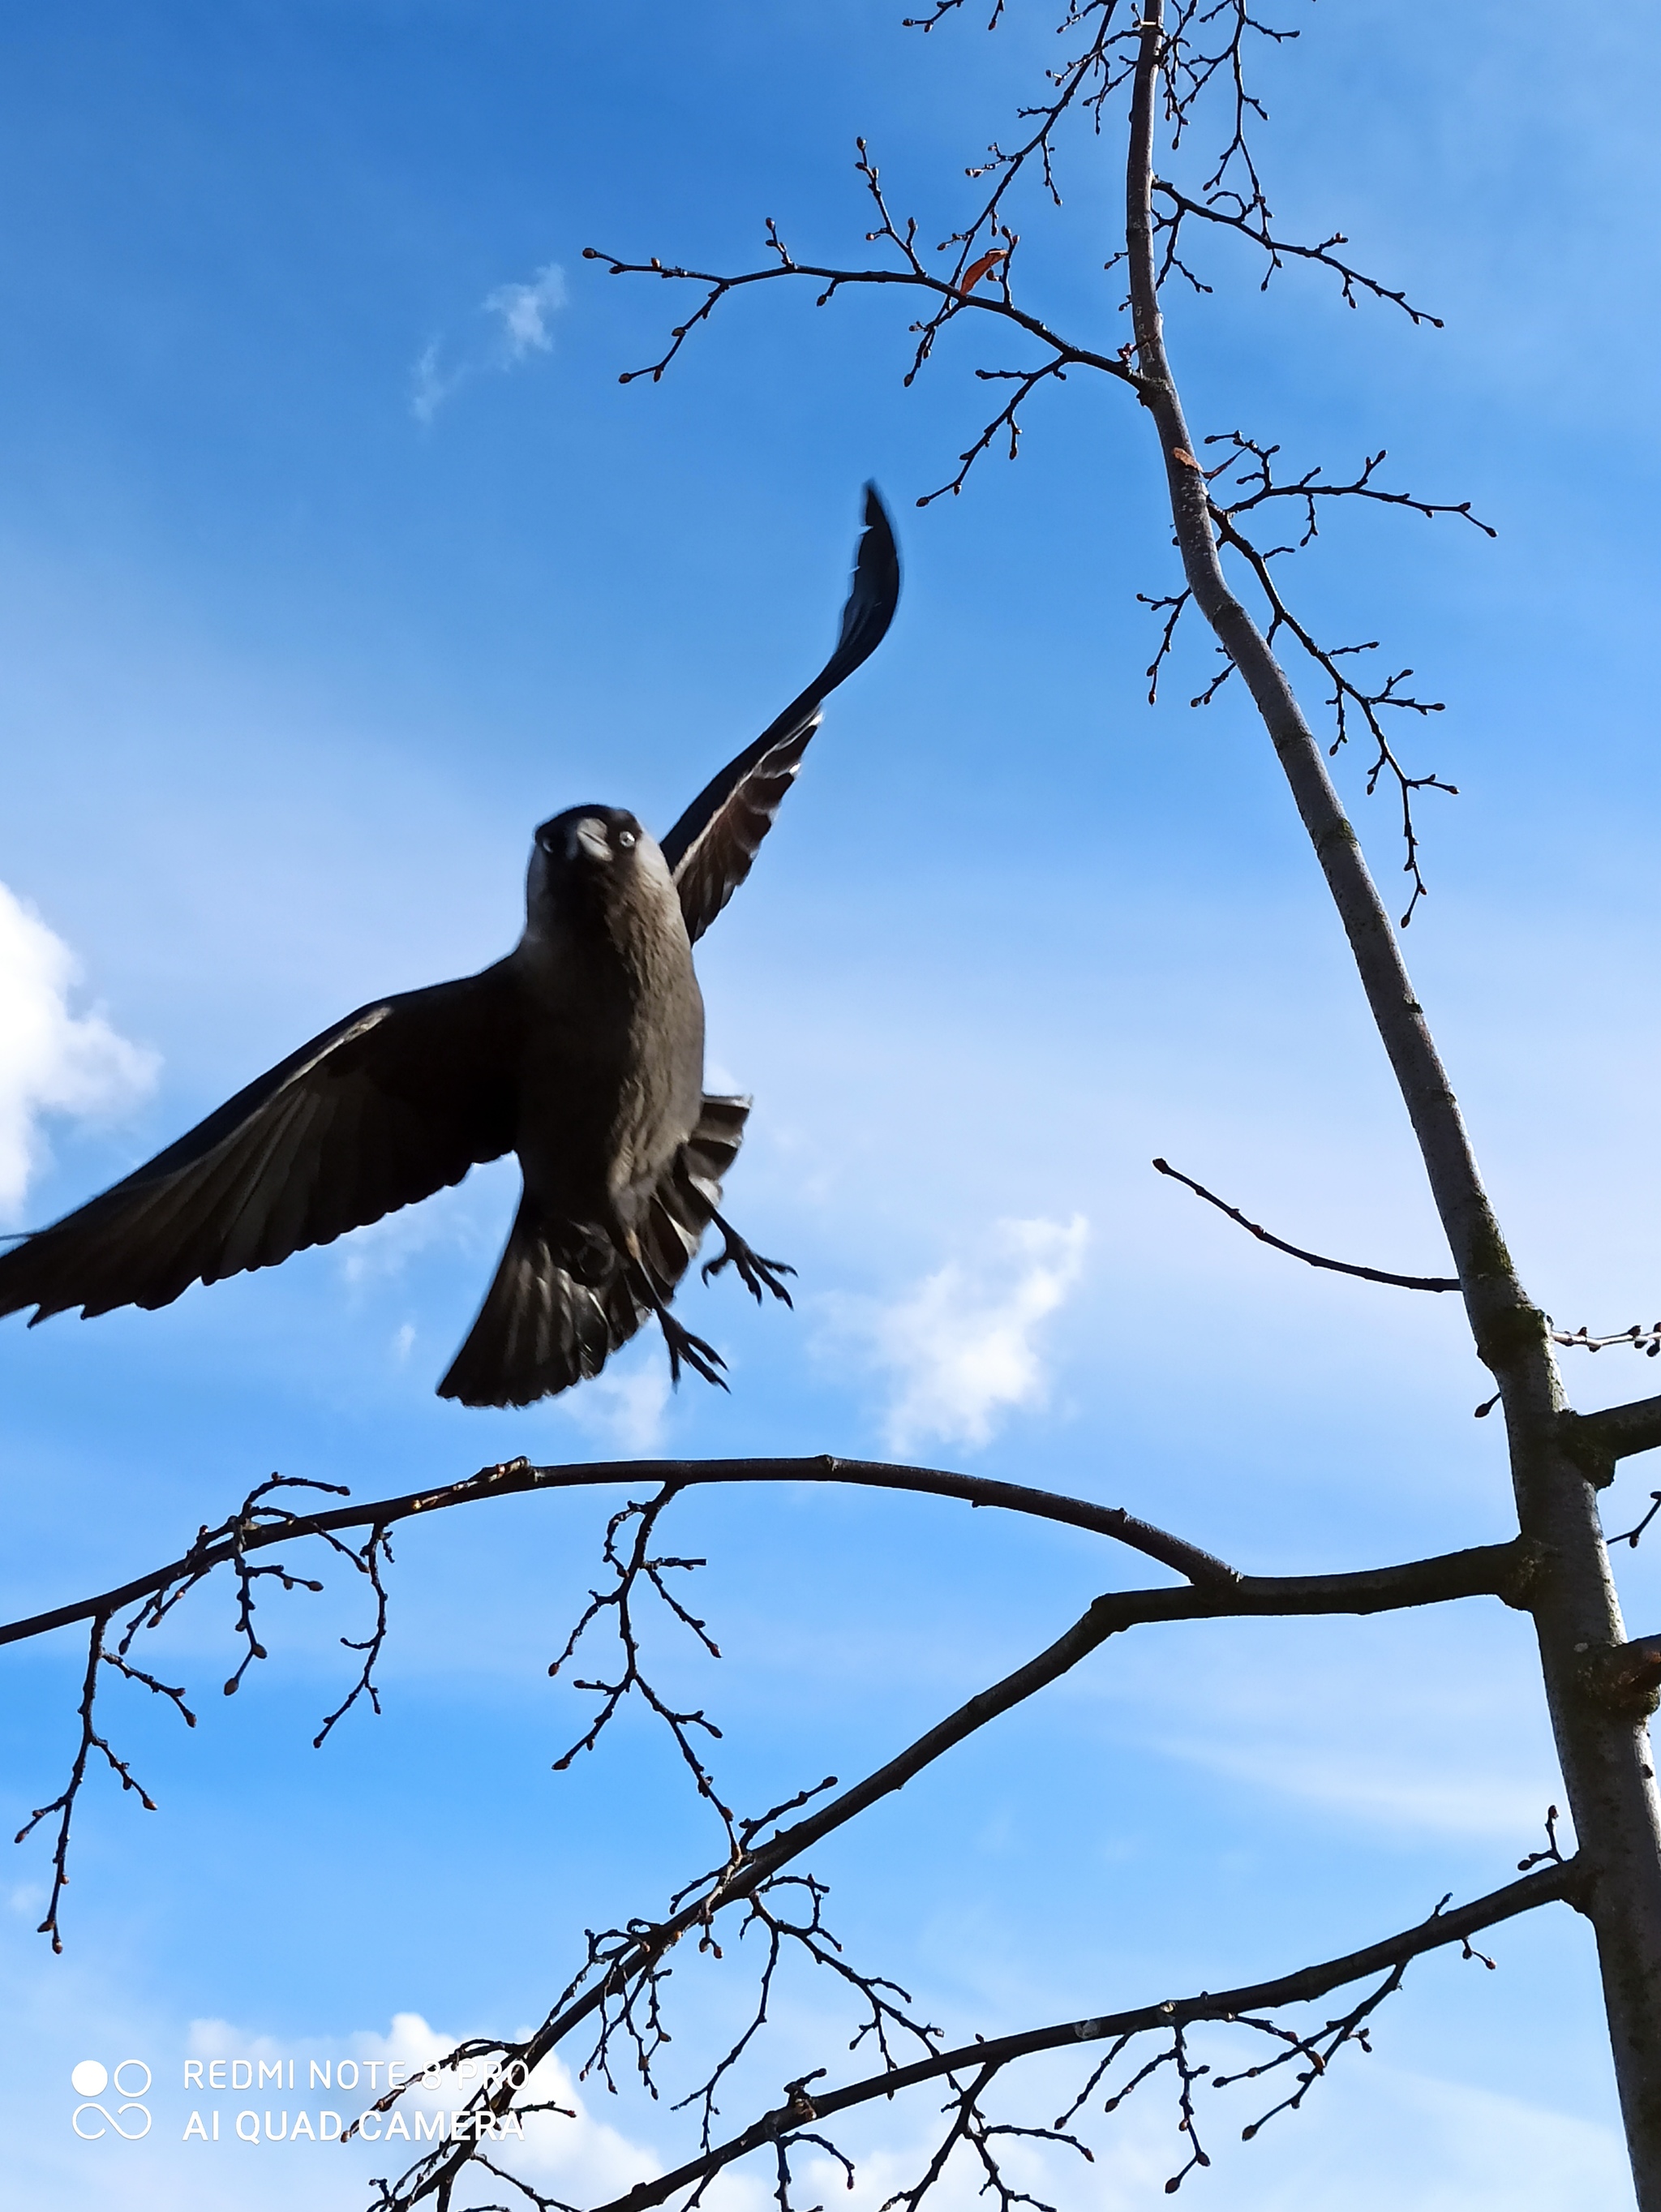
<point>617,1986</point>
<point>64,1803</point>
<point>1390,1957</point>
<point>1201,52</point>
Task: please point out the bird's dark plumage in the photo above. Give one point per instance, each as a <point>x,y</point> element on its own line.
<point>582,1052</point>
<point>710,849</point>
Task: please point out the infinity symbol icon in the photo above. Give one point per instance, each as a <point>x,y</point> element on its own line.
<point>92,2135</point>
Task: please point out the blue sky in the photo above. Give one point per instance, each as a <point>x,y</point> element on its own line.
<point>333,556</point>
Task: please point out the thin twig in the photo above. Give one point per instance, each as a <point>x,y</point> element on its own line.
<point>64,1803</point>
<point>638,1570</point>
<point>1310,1259</point>
<point>1550,1884</point>
<point>1351,280</point>
<point>1646,1340</point>
<point>1630,1536</point>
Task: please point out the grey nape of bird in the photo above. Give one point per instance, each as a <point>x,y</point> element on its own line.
<point>582,1052</point>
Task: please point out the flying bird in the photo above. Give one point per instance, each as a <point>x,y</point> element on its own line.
<point>582,1052</point>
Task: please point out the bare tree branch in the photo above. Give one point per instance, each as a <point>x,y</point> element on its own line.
<point>1253,465</point>
<point>214,1548</point>
<point>1346,693</point>
<point>1633,1537</point>
<point>1618,1431</point>
<point>368,1563</point>
<point>1310,1259</point>
<point>633,1962</point>
<point>1223,1592</point>
<point>64,1803</point>
<point>629,1574</point>
<point>1552,1884</point>
<point>1635,1336</point>
<point>953,302</point>
<point>985,247</point>
<point>1254,227</point>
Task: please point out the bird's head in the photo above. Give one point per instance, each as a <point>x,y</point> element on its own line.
<point>588,852</point>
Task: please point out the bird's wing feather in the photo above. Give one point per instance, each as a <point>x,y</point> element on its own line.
<point>391,1104</point>
<point>710,849</point>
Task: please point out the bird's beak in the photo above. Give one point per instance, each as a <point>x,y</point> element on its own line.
<point>589,837</point>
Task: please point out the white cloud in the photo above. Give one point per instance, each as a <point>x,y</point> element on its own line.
<point>52,1060</point>
<point>590,2161</point>
<point>626,1407</point>
<point>465,1221</point>
<point>381,1250</point>
<point>962,1346</point>
<point>1484,1800</point>
<point>1453,1743</point>
<point>430,384</point>
<point>522,310</point>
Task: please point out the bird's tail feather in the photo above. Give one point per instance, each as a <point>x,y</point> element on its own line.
<point>543,1327</point>
<point>558,1310</point>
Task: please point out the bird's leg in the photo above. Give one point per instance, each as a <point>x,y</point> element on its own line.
<point>703,1359</point>
<point>753,1270</point>
<point>699,1355</point>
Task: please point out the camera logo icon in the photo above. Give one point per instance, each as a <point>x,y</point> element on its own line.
<point>131,2080</point>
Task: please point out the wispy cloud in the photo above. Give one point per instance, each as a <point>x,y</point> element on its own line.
<point>1454,1745</point>
<point>525,310</point>
<point>430,383</point>
<point>626,1407</point>
<point>52,1060</point>
<point>962,1348</point>
<point>521,313</point>
<point>1487,1801</point>
<point>382,1250</point>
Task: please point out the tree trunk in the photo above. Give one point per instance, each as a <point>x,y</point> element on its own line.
<point>1604,1750</point>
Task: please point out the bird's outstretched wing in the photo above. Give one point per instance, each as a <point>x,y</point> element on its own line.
<point>391,1104</point>
<point>710,848</point>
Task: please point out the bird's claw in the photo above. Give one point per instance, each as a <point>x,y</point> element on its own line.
<point>683,1345</point>
<point>753,1270</point>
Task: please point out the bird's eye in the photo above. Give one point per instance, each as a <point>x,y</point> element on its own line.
<point>624,838</point>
